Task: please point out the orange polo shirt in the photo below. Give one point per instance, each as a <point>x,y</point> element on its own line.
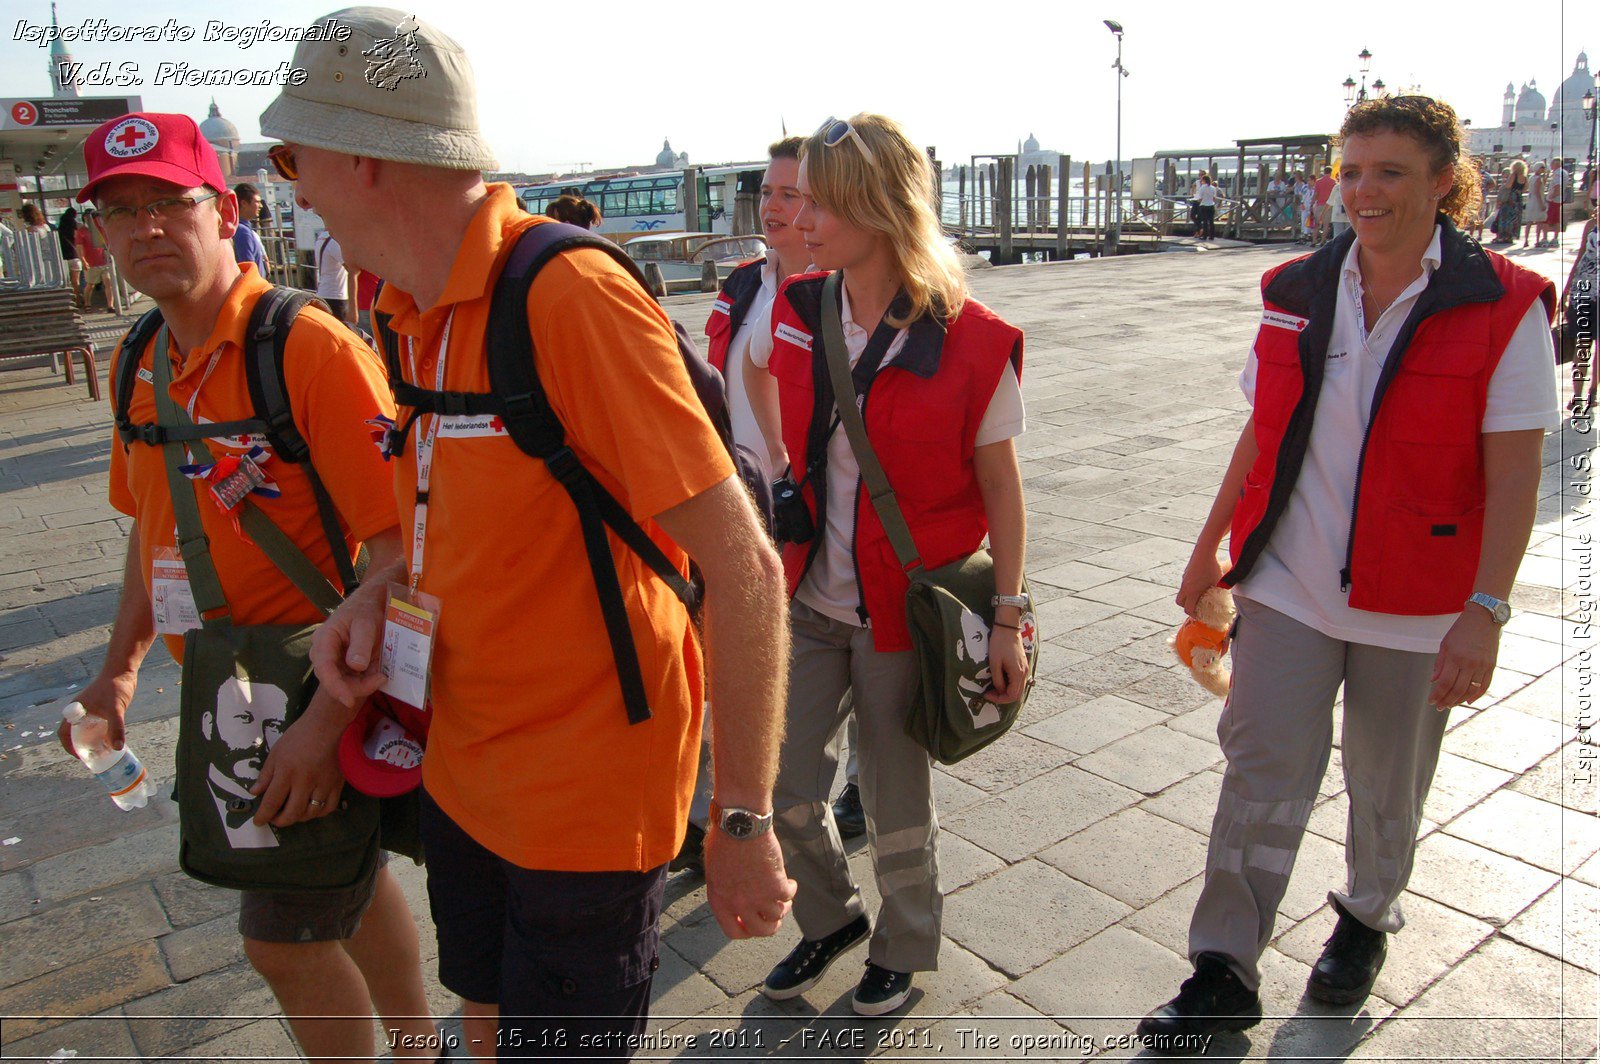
<point>530,749</point>
<point>335,383</point>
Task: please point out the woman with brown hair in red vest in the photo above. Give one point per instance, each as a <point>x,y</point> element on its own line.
<point>937,378</point>
<point>1377,506</point>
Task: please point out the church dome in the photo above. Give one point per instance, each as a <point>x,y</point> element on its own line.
<point>219,130</point>
<point>1570,92</point>
<point>1030,145</point>
<point>1530,103</point>
<point>666,158</point>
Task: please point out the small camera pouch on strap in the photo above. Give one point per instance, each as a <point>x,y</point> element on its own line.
<point>243,686</point>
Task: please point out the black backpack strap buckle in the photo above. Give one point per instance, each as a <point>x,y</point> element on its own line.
<point>565,467</point>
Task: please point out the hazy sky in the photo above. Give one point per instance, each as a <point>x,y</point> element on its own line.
<point>608,80</point>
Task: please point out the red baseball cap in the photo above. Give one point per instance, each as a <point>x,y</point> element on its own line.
<point>168,147</point>
<point>380,753</point>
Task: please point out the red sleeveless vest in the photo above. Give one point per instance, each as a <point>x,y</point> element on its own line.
<point>1417,526</point>
<point>922,413</point>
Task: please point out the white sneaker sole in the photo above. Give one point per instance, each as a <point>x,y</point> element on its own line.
<point>772,994</point>
<point>880,1008</point>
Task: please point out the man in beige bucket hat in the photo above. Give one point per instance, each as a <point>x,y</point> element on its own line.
<point>548,818</point>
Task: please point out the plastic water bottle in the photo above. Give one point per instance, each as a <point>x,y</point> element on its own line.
<point>120,770</point>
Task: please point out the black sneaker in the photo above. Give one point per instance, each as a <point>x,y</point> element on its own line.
<point>880,991</point>
<point>848,814</point>
<point>1210,1001</point>
<point>1350,962</point>
<point>805,965</point>
<point>692,854</point>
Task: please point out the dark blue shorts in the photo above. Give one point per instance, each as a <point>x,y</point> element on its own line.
<point>567,956</point>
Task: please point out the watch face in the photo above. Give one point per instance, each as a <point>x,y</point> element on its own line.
<point>1502,613</point>
<point>738,824</point>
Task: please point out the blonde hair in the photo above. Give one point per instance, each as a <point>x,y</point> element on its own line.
<point>893,194</point>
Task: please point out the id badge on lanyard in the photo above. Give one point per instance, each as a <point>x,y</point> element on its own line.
<point>172,604</point>
<point>411,617</point>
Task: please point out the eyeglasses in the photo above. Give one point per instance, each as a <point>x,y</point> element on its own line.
<point>282,157</point>
<point>162,211</point>
<point>835,130</point>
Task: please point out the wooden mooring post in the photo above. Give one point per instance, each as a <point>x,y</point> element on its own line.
<point>1004,188</point>
<point>1063,220</point>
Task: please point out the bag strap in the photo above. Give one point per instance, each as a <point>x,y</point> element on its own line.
<point>193,543</point>
<point>129,354</point>
<point>844,399</point>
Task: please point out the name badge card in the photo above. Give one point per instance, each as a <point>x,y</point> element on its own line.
<point>171,599</point>
<point>410,623</point>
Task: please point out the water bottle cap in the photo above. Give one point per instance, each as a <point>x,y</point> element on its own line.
<point>73,712</point>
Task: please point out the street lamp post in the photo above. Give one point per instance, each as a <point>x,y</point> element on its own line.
<point>1590,113</point>
<point>1354,94</point>
<point>1114,233</point>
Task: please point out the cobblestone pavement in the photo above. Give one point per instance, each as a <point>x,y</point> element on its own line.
<point>1071,851</point>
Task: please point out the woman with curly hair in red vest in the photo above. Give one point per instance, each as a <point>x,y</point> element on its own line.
<point>937,375</point>
<point>1378,505</point>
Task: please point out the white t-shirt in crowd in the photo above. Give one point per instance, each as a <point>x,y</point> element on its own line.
<point>1298,573</point>
<point>1558,186</point>
<point>1206,194</point>
<point>829,586</point>
<point>332,279</point>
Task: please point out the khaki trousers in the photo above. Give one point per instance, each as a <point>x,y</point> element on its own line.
<point>831,659</point>
<point>1277,732</point>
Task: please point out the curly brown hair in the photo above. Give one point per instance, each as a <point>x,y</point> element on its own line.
<point>1434,125</point>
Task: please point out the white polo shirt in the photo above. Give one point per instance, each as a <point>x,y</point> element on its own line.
<point>1298,572</point>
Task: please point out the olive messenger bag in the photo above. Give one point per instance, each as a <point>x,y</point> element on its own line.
<point>243,685</point>
<point>948,609</point>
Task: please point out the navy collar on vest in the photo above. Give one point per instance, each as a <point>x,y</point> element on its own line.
<point>924,347</point>
<point>1464,274</point>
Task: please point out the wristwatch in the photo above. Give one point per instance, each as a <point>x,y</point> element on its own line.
<point>1021,601</point>
<point>1499,609</point>
<point>739,823</point>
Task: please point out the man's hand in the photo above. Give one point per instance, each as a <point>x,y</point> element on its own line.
<point>1465,666</point>
<point>345,651</point>
<point>108,698</point>
<point>301,778</point>
<point>746,884</point>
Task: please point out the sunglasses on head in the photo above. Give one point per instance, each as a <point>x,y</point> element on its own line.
<point>835,130</point>
<point>282,158</point>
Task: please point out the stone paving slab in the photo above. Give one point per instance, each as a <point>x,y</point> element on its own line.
<point>1072,850</point>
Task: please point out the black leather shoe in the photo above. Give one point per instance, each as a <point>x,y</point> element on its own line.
<point>1350,962</point>
<point>692,854</point>
<point>805,965</point>
<point>848,814</point>
<point>1211,1001</point>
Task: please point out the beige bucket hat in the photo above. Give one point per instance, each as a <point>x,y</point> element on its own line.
<point>382,83</point>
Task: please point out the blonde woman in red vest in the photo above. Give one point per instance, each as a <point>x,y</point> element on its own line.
<point>942,408</point>
<point>1377,506</point>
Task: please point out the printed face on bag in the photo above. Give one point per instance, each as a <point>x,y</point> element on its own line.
<point>248,720</point>
<point>167,246</point>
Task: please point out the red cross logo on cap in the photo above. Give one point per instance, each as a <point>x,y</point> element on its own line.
<point>130,137</point>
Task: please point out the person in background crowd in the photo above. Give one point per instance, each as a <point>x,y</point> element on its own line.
<point>1537,214</point>
<point>574,210</point>
<point>33,219</point>
<point>67,233</point>
<point>1323,190</point>
<point>939,376</point>
<point>1508,208</point>
<point>92,249</point>
<point>1205,212</point>
<point>246,242</point>
<point>1402,611</point>
<point>366,292</point>
<point>1557,196</point>
<point>336,286</point>
<point>549,810</point>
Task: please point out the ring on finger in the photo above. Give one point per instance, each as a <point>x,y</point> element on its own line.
<point>318,802</point>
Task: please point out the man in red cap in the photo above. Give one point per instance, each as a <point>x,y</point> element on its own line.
<point>168,220</point>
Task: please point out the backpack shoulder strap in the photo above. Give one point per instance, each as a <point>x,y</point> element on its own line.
<point>266,341</point>
<point>128,355</point>
<point>537,431</point>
